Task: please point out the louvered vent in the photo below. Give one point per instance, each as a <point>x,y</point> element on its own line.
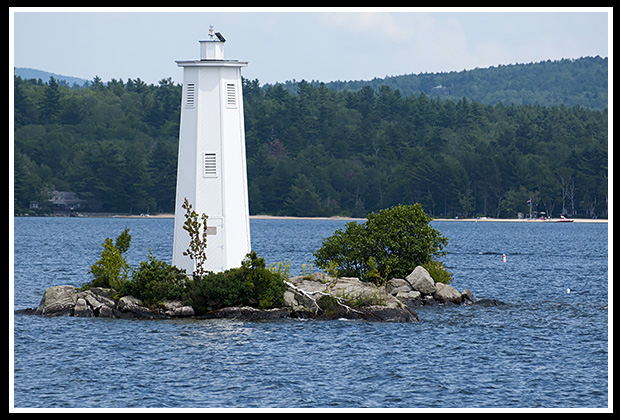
<point>210,165</point>
<point>190,95</point>
<point>231,95</point>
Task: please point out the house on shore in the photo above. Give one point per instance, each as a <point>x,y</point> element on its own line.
<point>66,202</point>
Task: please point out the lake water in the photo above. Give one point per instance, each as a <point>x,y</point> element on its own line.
<point>546,348</point>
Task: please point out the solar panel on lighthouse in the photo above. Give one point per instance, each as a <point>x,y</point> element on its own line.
<point>211,170</point>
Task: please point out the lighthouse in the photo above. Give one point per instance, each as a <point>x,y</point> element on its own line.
<point>211,171</point>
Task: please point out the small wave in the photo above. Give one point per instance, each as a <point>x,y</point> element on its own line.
<point>486,253</point>
<point>500,253</point>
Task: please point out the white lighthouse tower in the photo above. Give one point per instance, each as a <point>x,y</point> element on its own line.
<point>211,171</point>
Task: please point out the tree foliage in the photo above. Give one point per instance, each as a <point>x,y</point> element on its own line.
<point>350,153</point>
<point>313,150</point>
<point>391,243</point>
<point>547,83</point>
<point>112,270</point>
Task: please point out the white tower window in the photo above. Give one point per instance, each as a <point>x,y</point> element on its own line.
<point>210,165</point>
<point>190,95</point>
<point>231,95</point>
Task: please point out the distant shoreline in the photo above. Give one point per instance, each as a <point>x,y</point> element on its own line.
<point>490,219</point>
<point>269,217</point>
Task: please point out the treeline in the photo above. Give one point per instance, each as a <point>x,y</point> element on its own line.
<point>114,144</point>
<point>322,152</point>
<point>316,152</point>
<point>548,83</point>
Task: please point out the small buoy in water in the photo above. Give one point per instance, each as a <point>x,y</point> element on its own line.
<point>567,290</point>
<point>503,257</point>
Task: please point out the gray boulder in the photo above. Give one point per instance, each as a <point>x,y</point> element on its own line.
<point>96,298</point>
<point>82,309</point>
<point>385,314</point>
<point>490,302</point>
<point>174,308</point>
<point>394,286</point>
<point>421,281</point>
<point>446,293</point>
<point>406,296</point>
<point>129,303</point>
<point>290,300</point>
<point>106,312</point>
<point>132,307</point>
<point>359,292</point>
<point>57,301</point>
<point>102,295</point>
<point>468,296</point>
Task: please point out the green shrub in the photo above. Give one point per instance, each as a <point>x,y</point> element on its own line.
<point>218,290</point>
<point>252,284</point>
<point>111,270</point>
<point>155,281</point>
<point>391,243</point>
<point>268,287</point>
<point>328,305</point>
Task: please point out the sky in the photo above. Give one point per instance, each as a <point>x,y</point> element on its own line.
<point>282,44</point>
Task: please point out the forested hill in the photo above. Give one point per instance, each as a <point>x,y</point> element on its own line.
<point>569,82</point>
<point>316,152</point>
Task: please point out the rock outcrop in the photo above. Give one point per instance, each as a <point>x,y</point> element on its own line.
<point>100,302</point>
<point>314,297</point>
<point>419,289</point>
<point>57,301</point>
<point>345,297</point>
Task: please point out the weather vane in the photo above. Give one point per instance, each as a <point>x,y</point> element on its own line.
<point>219,36</point>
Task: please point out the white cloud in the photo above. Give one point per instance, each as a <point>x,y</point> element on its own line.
<point>394,27</point>
<point>412,42</point>
<point>324,45</point>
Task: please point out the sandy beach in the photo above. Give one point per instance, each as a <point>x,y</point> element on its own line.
<point>490,219</point>
<point>475,220</point>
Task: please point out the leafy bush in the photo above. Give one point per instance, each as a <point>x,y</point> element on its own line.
<point>268,287</point>
<point>391,243</point>
<point>155,281</point>
<point>252,284</point>
<point>218,290</point>
<point>111,270</point>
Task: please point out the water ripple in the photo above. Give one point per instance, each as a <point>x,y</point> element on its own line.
<point>546,348</point>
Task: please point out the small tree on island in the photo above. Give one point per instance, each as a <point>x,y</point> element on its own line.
<point>196,226</point>
<point>111,270</point>
<point>391,243</point>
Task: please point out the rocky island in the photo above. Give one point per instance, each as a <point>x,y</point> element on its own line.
<point>318,296</point>
<point>365,263</point>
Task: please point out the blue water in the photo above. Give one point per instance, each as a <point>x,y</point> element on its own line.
<point>546,348</point>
